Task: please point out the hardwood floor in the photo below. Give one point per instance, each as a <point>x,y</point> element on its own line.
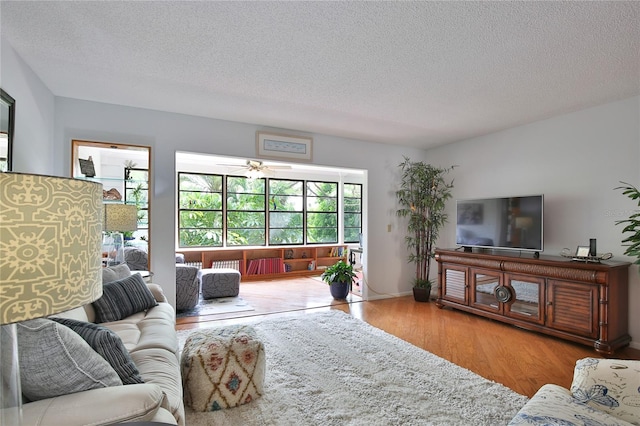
<point>517,358</point>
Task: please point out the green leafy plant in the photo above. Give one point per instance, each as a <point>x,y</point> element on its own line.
<point>422,196</point>
<point>632,242</point>
<point>340,272</point>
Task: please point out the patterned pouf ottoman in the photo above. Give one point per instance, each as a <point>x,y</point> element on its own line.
<point>219,282</point>
<point>222,368</point>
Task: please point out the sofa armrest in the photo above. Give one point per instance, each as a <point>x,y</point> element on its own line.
<point>609,385</point>
<point>138,402</point>
<point>157,292</point>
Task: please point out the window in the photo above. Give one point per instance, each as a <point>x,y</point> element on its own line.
<point>286,203</point>
<point>352,210</point>
<point>322,212</point>
<point>234,211</point>
<point>136,192</point>
<point>200,210</point>
<point>245,211</point>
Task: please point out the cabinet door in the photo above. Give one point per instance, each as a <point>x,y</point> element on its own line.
<point>454,284</point>
<point>573,307</point>
<point>527,298</point>
<point>483,284</point>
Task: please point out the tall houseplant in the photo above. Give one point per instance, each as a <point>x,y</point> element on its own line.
<point>422,196</point>
<point>632,223</point>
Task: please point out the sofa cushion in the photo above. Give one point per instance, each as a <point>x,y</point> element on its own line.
<point>554,405</point>
<point>56,361</point>
<point>106,406</point>
<point>160,367</point>
<point>609,385</point>
<point>123,298</point>
<point>109,346</point>
<point>115,273</point>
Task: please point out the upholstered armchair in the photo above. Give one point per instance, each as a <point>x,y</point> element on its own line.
<point>136,258</point>
<point>187,287</point>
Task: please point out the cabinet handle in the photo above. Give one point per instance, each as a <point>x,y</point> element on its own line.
<point>549,303</point>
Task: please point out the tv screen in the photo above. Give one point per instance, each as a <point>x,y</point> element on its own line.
<point>513,223</point>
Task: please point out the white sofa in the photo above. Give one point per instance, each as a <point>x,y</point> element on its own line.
<point>603,392</point>
<point>150,338</point>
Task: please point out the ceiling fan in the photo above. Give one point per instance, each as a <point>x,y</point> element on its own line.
<point>255,169</point>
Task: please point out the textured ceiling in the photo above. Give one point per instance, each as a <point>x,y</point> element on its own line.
<point>411,73</point>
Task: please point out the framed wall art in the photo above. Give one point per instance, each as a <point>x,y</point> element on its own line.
<point>283,147</point>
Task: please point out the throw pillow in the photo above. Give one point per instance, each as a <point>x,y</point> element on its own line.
<point>609,385</point>
<point>123,298</point>
<point>55,361</point>
<point>108,345</point>
<point>114,273</point>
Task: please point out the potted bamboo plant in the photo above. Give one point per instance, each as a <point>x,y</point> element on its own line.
<point>632,242</point>
<point>339,276</point>
<point>422,196</point>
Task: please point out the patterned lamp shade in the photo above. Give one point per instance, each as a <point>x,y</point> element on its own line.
<point>50,245</point>
<point>120,217</point>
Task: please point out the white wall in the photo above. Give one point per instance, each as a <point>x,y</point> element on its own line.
<point>32,143</point>
<point>387,272</point>
<point>576,160</point>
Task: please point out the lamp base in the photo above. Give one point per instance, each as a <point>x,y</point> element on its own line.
<point>113,245</point>
<point>10,390</point>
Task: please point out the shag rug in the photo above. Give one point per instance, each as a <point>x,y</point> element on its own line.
<point>221,305</point>
<point>330,368</point>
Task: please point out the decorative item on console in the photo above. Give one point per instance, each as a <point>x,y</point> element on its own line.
<point>86,167</point>
<point>583,253</point>
<point>111,195</point>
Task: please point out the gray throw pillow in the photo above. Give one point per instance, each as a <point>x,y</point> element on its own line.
<point>114,273</point>
<point>108,345</point>
<point>123,298</point>
<point>55,361</point>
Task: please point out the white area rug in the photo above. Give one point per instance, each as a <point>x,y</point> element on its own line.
<point>222,305</point>
<point>332,369</point>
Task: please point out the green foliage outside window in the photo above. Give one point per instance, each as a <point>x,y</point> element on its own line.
<point>322,212</point>
<point>246,204</point>
<point>352,212</point>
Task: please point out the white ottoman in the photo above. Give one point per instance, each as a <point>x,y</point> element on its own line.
<point>219,282</point>
<point>222,368</point>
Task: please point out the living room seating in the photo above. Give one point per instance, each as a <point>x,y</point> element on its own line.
<point>136,258</point>
<point>187,283</point>
<point>115,360</point>
<point>219,282</point>
<point>603,392</point>
<point>235,378</point>
<point>187,287</point>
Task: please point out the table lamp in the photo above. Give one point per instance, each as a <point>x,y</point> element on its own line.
<point>50,238</point>
<point>118,218</point>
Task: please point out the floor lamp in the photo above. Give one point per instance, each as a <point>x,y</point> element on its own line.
<point>118,218</point>
<point>50,240</point>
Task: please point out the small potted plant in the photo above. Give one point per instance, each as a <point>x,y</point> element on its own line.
<point>339,276</point>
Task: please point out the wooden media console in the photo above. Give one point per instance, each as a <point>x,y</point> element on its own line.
<point>584,302</point>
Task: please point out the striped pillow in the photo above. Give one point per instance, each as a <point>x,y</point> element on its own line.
<point>123,298</point>
<point>108,345</point>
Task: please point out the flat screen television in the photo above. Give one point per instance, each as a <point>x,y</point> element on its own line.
<point>509,223</point>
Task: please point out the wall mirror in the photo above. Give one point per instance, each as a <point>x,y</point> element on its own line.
<point>7,120</point>
<point>125,173</point>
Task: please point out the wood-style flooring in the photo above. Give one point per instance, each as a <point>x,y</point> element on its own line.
<point>517,358</point>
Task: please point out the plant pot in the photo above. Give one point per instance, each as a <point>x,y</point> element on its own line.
<point>339,290</point>
<point>421,294</point>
